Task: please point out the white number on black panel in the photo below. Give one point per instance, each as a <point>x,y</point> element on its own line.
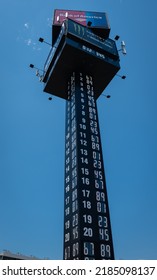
<point>67,252</point>
<point>85,181</point>
<point>88,248</point>
<point>97,164</point>
<point>84,152</point>
<point>87,219</point>
<point>87,204</point>
<point>99,184</point>
<point>75,220</point>
<point>86,193</point>
<point>67,237</point>
<point>101,207</point>
<point>95,146</point>
<point>100,196</point>
<point>75,249</point>
<point>103,234</point>
<point>75,232</point>
<point>105,251</point>
<point>87,232</point>
<point>74,194</point>
<point>102,221</point>
<point>98,174</point>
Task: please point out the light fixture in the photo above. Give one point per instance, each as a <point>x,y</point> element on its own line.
<point>41,40</point>
<point>122,77</point>
<point>107,96</point>
<point>38,69</point>
<point>37,72</point>
<point>123,48</point>
<point>89,23</point>
<point>117,37</point>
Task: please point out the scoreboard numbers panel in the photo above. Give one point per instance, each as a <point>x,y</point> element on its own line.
<point>87,228</point>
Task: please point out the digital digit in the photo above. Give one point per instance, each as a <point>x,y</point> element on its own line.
<point>88,232</point>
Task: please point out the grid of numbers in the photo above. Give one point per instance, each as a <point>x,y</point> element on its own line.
<point>87,229</point>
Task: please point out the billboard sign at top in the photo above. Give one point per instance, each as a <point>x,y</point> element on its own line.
<point>92,19</point>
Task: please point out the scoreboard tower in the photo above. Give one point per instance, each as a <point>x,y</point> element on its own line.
<point>82,62</point>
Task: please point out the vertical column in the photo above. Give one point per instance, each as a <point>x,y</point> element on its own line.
<point>87,229</point>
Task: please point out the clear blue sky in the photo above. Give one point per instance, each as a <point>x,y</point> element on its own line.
<point>32,131</point>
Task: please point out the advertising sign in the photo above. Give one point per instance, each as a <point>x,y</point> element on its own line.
<point>88,35</point>
<point>92,19</point>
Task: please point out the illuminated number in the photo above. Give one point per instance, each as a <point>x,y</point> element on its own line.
<point>86,193</point>
<point>74,206</point>
<point>88,248</point>
<point>67,179</point>
<point>67,211</point>
<point>75,249</point>
<point>100,196</point>
<point>73,137</point>
<point>67,160</point>
<point>83,142</point>
<point>67,200</point>
<point>102,221</point>
<point>87,204</point>
<point>67,224</point>
<point>67,169</point>
<point>75,220</point>
<point>92,110</point>
<point>85,171</point>
<point>73,145</point>
<point>75,232</point>
<point>74,172</point>
<point>103,234</point>
<point>82,134</point>
<point>84,160</point>
<point>101,207</point>
<point>98,174</point>
<point>73,154</point>
<point>93,123</point>
<point>67,145</point>
<point>67,252</point>
<point>85,181</point>
<point>67,189</point>
<point>99,184</point>
<point>67,237</point>
<point>84,152</point>
<point>74,162</point>
<point>96,155</point>
<point>74,182</point>
<point>91,104</point>
<point>95,146</point>
<point>97,164</point>
<point>88,232</point>
<point>74,194</point>
<point>92,116</point>
<point>94,130</point>
<point>95,138</point>
<point>67,152</point>
<point>87,219</point>
<point>105,250</point>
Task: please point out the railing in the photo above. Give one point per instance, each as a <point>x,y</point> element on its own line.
<point>53,49</point>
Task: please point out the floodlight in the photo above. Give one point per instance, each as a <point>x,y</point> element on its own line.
<point>123,47</point>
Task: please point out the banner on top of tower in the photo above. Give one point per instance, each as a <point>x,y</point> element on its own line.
<point>94,19</point>
<point>98,21</point>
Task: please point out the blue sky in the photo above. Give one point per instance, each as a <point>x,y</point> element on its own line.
<point>32,131</point>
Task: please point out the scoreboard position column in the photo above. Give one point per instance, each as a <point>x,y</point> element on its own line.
<point>87,228</point>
